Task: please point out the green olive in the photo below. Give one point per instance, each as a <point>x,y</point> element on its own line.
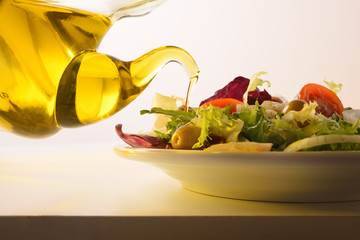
<point>185,136</point>
<point>182,108</point>
<point>295,105</point>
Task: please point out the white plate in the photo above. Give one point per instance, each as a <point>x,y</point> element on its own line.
<point>266,176</point>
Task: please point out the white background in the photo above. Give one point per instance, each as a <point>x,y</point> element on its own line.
<point>295,42</point>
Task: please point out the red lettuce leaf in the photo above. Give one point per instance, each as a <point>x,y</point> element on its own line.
<point>258,95</point>
<point>236,89</point>
<point>141,140</point>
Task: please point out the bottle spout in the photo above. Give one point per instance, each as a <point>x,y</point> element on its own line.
<point>95,86</point>
<point>145,68</point>
<point>122,9</point>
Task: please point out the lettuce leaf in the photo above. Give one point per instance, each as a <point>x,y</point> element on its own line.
<point>218,122</point>
<point>140,140</point>
<point>281,133</point>
<point>254,82</point>
<point>336,88</point>
<point>238,87</point>
<point>177,119</point>
<point>255,123</point>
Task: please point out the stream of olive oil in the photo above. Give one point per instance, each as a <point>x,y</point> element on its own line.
<point>192,83</point>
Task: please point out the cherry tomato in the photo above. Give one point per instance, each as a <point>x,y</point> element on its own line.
<point>328,102</point>
<point>222,102</point>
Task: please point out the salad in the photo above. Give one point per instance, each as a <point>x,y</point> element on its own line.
<point>241,117</point>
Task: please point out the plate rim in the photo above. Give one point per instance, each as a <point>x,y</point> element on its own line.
<point>339,157</point>
<point>182,151</point>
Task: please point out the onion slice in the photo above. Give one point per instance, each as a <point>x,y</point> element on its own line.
<point>321,140</point>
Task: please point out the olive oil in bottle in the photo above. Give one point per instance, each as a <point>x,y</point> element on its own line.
<point>52,76</point>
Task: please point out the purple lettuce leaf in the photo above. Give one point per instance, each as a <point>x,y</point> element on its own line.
<point>236,89</point>
<point>141,140</point>
<point>258,95</point>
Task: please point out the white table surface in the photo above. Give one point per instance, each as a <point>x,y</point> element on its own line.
<point>91,180</point>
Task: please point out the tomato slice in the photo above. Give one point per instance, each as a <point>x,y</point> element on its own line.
<point>222,102</point>
<point>328,102</point>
